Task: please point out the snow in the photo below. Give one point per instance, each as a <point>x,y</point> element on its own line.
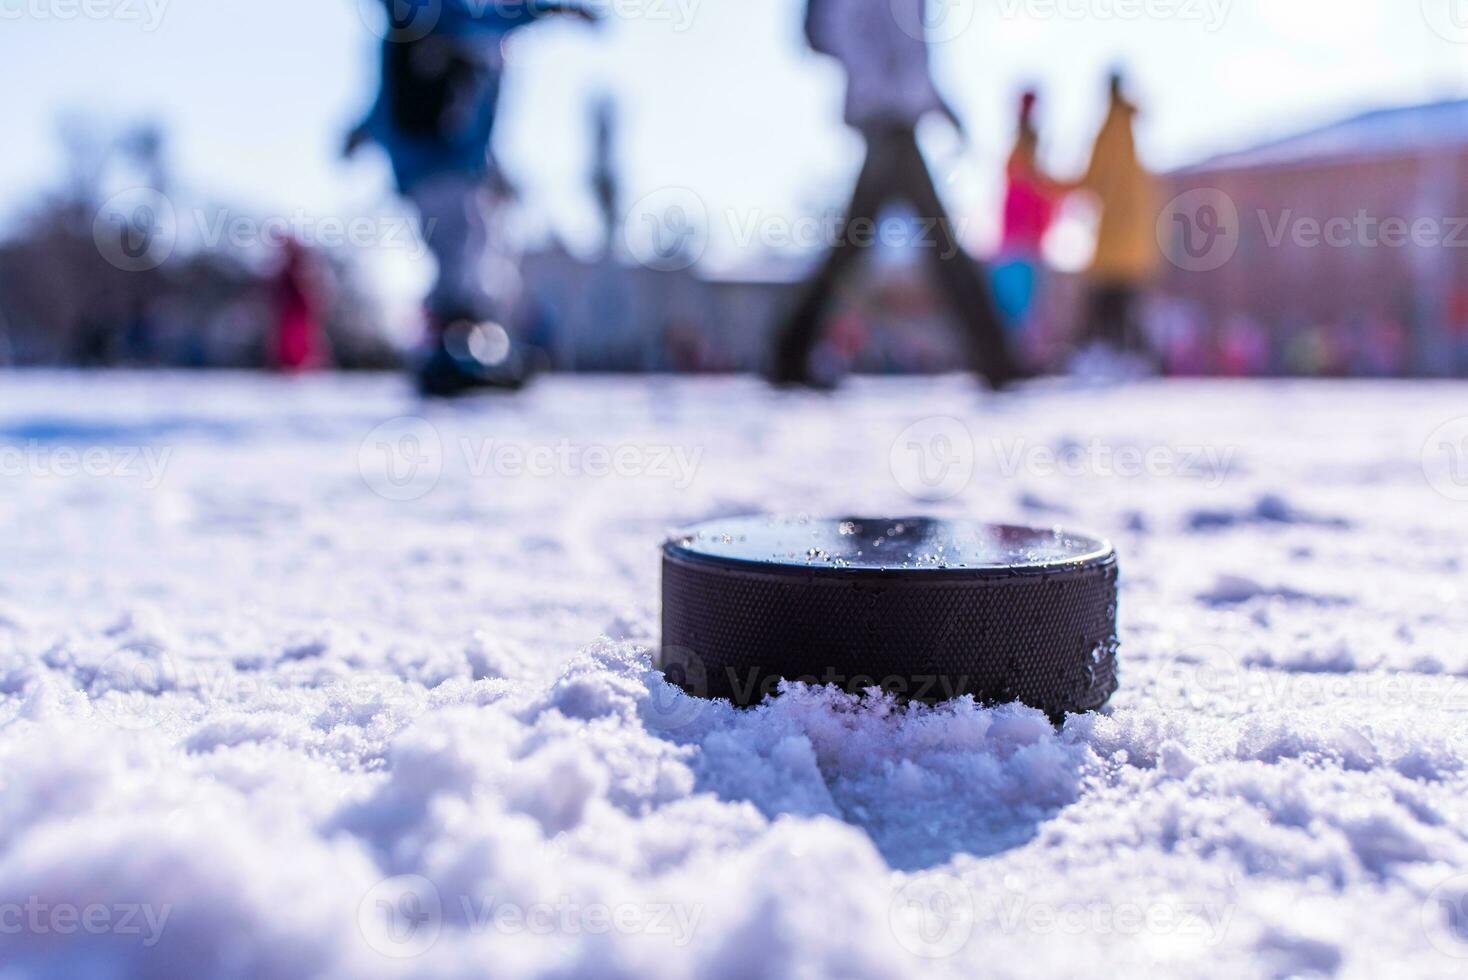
<point>275,703</point>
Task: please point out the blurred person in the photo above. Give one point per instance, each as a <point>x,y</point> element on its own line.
<point>1030,200</point>
<point>685,349</point>
<point>299,340</point>
<point>434,116</point>
<point>1458,318</point>
<point>1185,346</point>
<point>139,342</point>
<point>1377,352</point>
<point>92,340</point>
<point>1389,347</point>
<point>1127,253</point>
<point>1306,351</point>
<point>606,182</point>
<point>888,90</point>
<point>1243,347</point>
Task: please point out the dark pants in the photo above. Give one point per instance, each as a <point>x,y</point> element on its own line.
<point>894,171</point>
<point>1111,318</point>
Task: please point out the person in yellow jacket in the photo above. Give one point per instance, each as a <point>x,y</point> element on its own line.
<point>1127,253</point>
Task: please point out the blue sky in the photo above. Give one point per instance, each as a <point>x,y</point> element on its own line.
<point>716,95</point>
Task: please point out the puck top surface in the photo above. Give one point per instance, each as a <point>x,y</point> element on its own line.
<point>854,545</point>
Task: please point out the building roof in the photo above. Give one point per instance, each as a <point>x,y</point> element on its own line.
<point>1381,132</point>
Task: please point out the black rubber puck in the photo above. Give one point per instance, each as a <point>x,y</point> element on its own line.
<point>927,609</point>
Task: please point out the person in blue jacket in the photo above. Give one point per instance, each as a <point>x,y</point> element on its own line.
<point>434,117</point>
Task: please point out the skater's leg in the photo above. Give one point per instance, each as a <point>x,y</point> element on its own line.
<point>1106,316</point>
<point>454,227</point>
<point>465,353</point>
<point>1133,338</point>
<point>1089,331</point>
<point>964,280</point>
<point>798,334</point>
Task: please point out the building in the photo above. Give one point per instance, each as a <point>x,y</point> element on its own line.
<point>1331,247</point>
<point>613,314</point>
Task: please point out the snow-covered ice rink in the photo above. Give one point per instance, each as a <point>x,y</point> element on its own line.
<point>306,678</point>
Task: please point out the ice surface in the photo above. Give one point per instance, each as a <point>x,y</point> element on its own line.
<point>269,713</point>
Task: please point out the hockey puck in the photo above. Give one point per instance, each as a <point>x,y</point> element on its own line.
<point>926,609</point>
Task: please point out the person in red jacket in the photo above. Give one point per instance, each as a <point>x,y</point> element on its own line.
<point>1031,198</point>
<point>299,343</point>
